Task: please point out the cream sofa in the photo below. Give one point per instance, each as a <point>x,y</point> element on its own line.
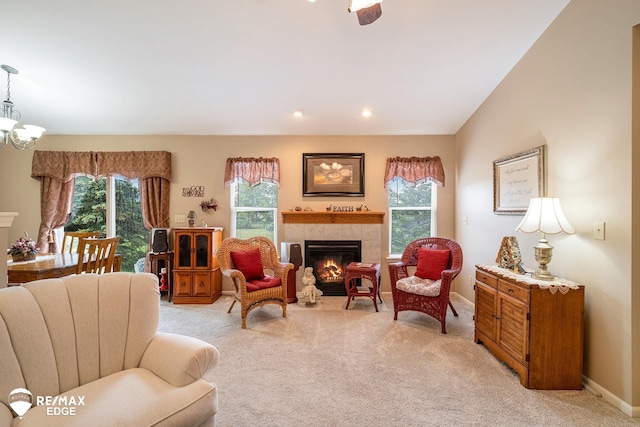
<point>92,340</point>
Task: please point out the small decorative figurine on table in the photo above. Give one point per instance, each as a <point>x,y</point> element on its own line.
<point>309,294</point>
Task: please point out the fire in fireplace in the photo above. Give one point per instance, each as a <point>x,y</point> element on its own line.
<point>329,259</point>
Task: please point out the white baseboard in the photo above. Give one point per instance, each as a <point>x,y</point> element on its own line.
<point>463,298</point>
<point>597,390</point>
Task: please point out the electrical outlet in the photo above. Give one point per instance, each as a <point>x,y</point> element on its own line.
<point>470,280</point>
<point>180,219</point>
<point>598,230</point>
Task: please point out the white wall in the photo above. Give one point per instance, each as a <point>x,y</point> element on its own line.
<point>572,92</point>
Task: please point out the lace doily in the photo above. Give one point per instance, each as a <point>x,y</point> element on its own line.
<point>555,285</point>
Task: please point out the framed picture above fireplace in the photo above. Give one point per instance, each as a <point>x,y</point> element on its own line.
<point>332,174</point>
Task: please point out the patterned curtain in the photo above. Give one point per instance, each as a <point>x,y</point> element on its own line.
<point>252,170</point>
<point>134,164</point>
<point>154,200</point>
<point>57,170</point>
<point>153,170</point>
<point>415,170</point>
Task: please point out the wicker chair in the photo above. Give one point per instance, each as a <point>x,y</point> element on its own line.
<point>270,261</point>
<point>435,306</point>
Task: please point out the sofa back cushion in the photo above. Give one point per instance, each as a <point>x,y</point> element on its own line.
<point>57,334</point>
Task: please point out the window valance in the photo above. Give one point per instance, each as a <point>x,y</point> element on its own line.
<point>252,170</point>
<point>65,165</point>
<point>415,170</point>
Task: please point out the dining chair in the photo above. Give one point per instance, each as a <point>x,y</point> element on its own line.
<point>96,255</point>
<point>71,240</point>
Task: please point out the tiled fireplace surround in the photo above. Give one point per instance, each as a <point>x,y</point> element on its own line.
<point>366,227</point>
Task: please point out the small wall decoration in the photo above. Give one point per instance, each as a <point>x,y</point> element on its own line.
<point>193,191</point>
<point>205,205</point>
<point>509,255</point>
<point>333,174</point>
<point>517,178</point>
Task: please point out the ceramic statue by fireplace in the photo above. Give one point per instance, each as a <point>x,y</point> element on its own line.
<point>309,294</point>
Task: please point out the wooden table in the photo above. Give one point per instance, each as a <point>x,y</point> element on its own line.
<point>47,266</point>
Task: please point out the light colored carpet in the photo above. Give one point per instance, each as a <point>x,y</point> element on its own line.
<point>327,366</point>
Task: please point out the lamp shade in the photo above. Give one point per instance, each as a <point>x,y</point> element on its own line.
<point>545,215</point>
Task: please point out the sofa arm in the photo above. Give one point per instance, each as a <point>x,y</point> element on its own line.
<point>178,359</point>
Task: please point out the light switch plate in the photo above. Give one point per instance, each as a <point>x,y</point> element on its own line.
<point>598,230</point>
<point>180,218</point>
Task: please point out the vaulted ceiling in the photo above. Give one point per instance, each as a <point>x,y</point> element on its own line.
<point>241,67</point>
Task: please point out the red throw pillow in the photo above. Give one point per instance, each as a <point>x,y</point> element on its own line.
<point>249,263</point>
<point>431,262</point>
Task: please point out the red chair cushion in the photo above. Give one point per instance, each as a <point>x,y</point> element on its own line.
<point>249,263</point>
<point>263,283</point>
<point>431,262</point>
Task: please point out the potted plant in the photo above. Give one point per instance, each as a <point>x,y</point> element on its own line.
<point>24,249</point>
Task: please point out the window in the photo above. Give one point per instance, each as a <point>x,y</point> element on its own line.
<point>254,210</point>
<point>412,212</point>
<point>97,207</point>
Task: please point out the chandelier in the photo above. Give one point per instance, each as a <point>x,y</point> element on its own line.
<point>21,138</point>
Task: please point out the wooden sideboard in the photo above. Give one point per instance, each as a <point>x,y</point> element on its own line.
<point>538,333</point>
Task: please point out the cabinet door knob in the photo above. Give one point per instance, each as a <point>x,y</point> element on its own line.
<point>510,290</point>
<point>201,284</point>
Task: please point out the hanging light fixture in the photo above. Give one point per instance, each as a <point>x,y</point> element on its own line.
<point>21,138</point>
<point>367,10</point>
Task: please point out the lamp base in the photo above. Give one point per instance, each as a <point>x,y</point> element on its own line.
<point>542,274</point>
<point>543,251</point>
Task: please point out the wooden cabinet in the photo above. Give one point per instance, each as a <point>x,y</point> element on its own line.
<point>538,333</point>
<point>196,273</point>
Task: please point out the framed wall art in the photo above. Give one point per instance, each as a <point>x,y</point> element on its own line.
<point>518,178</point>
<point>332,174</point>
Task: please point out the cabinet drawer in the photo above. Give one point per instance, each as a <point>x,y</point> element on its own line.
<point>487,279</point>
<point>514,291</point>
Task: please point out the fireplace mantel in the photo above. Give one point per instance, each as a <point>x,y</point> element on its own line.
<point>305,217</point>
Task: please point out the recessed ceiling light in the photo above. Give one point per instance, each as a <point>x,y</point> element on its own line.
<point>297,113</point>
<point>366,113</point>
<point>312,1</point>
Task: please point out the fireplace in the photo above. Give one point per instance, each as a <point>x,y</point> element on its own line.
<point>329,259</point>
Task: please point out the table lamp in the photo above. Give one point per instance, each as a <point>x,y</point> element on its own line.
<point>544,215</point>
<point>191,216</point>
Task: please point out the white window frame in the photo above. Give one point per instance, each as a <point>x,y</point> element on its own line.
<point>434,215</point>
<point>235,210</point>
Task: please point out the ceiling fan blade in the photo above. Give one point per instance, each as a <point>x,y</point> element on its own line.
<point>369,14</point>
